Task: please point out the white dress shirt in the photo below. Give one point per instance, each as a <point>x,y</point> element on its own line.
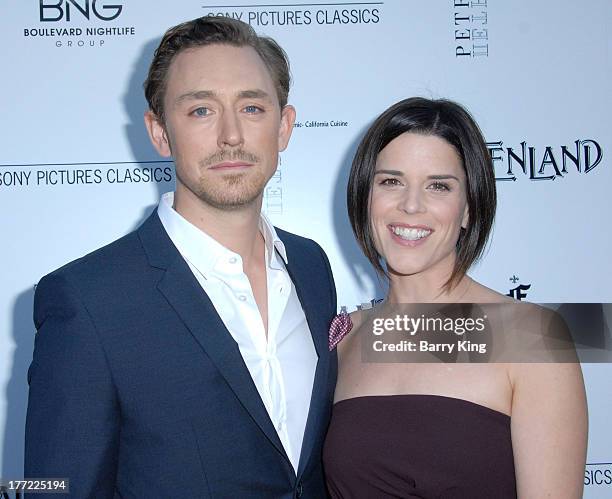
<point>283,366</point>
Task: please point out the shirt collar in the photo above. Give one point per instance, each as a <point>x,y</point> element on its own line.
<point>206,253</point>
<point>273,242</point>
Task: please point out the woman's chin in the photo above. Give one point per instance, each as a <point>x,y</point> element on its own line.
<point>403,269</point>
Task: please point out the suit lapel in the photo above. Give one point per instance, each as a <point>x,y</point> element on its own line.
<point>308,292</point>
<point>193,306</point>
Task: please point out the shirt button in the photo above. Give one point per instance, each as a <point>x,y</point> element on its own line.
<point>242,298</point>
<point>233,260</point>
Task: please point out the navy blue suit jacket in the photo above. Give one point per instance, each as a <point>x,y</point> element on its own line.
<point>138,390</point>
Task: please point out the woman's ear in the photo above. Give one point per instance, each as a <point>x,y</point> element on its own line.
<point>466,218</point>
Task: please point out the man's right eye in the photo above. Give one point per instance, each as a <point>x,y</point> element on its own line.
<point>200,111</point>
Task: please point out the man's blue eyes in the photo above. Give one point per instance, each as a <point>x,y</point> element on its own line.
<point>203,111</point>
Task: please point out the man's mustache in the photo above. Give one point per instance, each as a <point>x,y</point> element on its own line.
<point>230,155</point>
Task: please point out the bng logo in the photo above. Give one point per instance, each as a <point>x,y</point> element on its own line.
<point>65,10</point>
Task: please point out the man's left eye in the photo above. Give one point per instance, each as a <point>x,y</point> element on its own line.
<point>253,109</point>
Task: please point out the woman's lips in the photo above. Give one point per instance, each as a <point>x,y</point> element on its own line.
<point>409,235</point>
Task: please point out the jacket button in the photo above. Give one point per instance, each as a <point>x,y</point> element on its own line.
<point>299,490</point>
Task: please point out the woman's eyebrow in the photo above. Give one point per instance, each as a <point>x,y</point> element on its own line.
<point>390,172</point>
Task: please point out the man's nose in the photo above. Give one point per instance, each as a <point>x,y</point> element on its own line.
<point>230,130</point>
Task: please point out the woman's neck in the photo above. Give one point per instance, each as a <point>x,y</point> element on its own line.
<point>428,286</point>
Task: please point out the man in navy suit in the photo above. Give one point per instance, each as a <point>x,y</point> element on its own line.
<point>189,358</point>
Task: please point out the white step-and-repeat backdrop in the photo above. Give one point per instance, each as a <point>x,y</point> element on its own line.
<point>77,170</point>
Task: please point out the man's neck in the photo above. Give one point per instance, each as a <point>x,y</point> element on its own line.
<point>237,230</point>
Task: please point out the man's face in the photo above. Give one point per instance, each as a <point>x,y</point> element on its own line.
<point>223,125</point>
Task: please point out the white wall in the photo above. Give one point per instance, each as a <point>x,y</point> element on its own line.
<point>538,73</point>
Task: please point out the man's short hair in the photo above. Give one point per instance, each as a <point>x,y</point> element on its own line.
<point>449,121</point>
<point>210,30</point>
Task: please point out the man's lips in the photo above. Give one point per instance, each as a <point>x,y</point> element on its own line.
<point>228,165</point>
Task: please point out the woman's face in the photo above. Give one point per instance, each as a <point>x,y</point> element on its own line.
<point>418,204</point>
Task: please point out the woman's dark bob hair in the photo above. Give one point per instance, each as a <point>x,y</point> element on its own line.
<point>449,121</point>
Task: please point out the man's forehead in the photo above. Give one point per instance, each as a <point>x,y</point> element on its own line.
<point>219,66</point>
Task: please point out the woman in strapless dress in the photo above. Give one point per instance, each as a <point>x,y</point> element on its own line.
<point>421,200</point>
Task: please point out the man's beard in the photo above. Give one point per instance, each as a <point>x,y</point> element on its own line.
<point>231,191</point>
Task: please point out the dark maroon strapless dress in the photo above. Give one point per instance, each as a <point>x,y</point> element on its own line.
<point>418,446</point>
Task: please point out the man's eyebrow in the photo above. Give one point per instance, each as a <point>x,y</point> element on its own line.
<point>195,95</point>
<point>255,93</point>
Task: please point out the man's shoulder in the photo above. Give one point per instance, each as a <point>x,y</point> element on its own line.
<point>124,256</point>
<point>116,281</point>
<point>118,252</point>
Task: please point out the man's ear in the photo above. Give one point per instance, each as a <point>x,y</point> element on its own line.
<point>157,134</point>
<point>286,127</point>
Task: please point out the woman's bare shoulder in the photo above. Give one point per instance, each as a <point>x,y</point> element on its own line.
<point>357,318</point>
